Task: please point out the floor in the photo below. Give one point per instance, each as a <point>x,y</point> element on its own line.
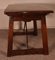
<point>34,41</point>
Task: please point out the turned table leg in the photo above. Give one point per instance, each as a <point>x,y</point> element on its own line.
<point>10,38</point>
<point>44,35</point>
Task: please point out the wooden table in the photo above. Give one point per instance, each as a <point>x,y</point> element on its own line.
<point>27,13</point>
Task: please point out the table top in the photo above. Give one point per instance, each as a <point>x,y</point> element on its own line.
<point>24,8</point>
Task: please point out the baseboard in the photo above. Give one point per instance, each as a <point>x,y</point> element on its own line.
<point>28,29</point>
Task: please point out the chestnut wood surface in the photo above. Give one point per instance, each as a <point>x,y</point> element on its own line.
<point>27,13</point>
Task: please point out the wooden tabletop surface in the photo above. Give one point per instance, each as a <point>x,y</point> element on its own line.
<point>15,9</point>
<point>25,7</point>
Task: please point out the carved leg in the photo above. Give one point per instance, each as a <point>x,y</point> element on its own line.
<point>44,35</point>
<point>10,38</point>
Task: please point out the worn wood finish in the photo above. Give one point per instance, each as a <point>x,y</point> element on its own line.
<point>28,16</point>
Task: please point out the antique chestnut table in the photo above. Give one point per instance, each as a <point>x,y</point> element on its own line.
<point>27,13</point>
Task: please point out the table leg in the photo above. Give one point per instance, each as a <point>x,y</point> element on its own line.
<point>10,38</point>
<point>35,27</point>
<point>20,25</point>
<point>44,35</point>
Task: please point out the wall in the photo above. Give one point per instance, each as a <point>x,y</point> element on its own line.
<point>4,20</point>
<point>4,3</point>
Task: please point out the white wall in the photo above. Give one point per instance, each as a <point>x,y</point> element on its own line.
<point>4,3</point>
<point>4,20</point>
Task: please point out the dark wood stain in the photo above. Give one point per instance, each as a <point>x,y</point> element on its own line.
<point>27,17</point>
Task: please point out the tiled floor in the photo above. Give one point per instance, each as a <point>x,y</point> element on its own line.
<point>34,41</point>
